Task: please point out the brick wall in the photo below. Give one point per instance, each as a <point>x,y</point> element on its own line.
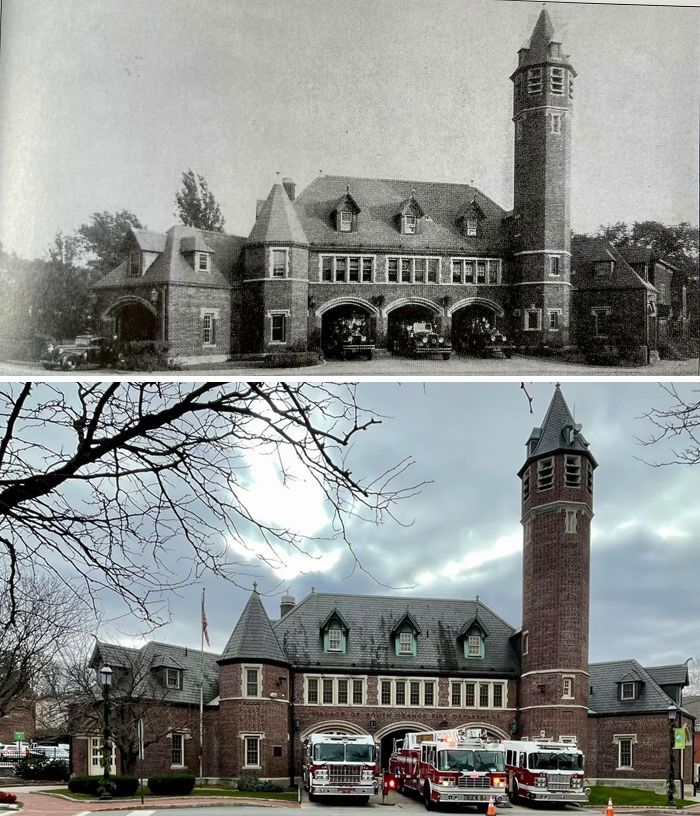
<point>185,321</point>
<point>19,718</point>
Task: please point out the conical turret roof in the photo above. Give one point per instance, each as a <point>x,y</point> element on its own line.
<point>253,637</point>
<point>558,433</point>
<point>537,49</point>
<point>277,221</point>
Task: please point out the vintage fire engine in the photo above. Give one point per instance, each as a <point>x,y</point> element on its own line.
<point>340,765</point>
<point>545,770</point>
<point>458,765</point>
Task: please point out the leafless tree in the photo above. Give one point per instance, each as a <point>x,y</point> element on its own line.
<point>693,676</point>
<point>679,425</point>
<point>45,616</point>
<point>103,484</point>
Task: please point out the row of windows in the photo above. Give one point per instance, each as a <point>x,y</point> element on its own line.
<point>560,80</point>
<point>404,644</point>
<point>401,269</point>
<point>335,691</point>
<point>532,319</point>
<point>409,223</point>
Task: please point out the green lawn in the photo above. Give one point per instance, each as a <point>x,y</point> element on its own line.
<point>288,795</point>
<point>630,796</point>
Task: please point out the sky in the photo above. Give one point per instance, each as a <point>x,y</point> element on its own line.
<point>104,105</point>
<point>461,535</point>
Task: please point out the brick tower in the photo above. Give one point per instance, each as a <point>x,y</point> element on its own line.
<point>557,508</point>
<point>543,86</point>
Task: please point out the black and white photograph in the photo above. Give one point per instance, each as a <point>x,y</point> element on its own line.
<point>453,188</point>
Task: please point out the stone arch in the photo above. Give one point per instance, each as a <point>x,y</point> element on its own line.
<point>415,300</point>
<point>347,300</point>
<point>327,726</point>
<point>406,725</point>
<point>127,300</point>
<point>489,727</point>
<point>476,301</point>
<point>134,318</point>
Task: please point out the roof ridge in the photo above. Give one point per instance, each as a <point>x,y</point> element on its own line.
<point>174,646</point>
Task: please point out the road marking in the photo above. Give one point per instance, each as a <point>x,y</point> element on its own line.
<point>141,813</point>
<point>82,813</point>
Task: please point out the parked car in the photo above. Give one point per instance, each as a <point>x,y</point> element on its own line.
<point>481,339</point>
<point>15,750</point>
<point>420,340</point>
<point>60,751</point>
<point>349,337</point>
<point>85,351</point>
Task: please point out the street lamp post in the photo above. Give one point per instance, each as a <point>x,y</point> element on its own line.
<point>672,712</point>
<point>106,680</point>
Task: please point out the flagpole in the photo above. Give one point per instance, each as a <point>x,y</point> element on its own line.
<point>201,697</point>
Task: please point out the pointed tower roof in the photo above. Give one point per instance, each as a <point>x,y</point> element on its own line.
<point>537,49</point>
<point>253,637</point>
<point>559,433</point>
<point>277,221</point>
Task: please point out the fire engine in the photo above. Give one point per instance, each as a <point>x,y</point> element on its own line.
<point>457,765</point>
<point>340,765</point>
<point>545,770</point>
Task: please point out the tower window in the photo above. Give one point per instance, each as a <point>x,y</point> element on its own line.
<point>571,87</point>
<point>556,80</point>
<point>554,319</point>
<point>572,471</point>
<point>554,265</point>
<point>556,123</point>
<point>533,319</point>
<point>589,478</point>
<point>135,263</point>
<point>526,642</point>
<point>528,531</point>
<point>545,473</point>
<point>568,688</point>
<point>519,130</point>
<point>526,485</point>
<point>571,520</point>
<point>518,86</point>
<point>279,327</point>
<point>534,81</point>
<point>279,263</point>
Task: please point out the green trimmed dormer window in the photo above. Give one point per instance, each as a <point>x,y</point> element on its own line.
<point>406,643</point>
<point>334,640</point>
<point>474,645</point>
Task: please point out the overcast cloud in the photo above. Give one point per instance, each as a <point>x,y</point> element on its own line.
<point>467,440</point>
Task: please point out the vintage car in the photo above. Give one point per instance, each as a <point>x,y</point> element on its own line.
<point>86,351</point>
<point>481,339</point>
<point>420,340</point>
<point>349,337</point>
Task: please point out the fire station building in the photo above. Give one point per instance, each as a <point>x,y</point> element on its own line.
<point>392,252</point>
<point>385,666</point>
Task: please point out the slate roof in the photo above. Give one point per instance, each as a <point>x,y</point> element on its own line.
<point>585,252</point>
<point>550,438</point>
<point>277,220</point>
<point>154,655</point>
<point>173,266</point>
<point>669,675</point>
<point>370,646</point>
<point>253,637</point>
<point>604,698</point>
<point>691,703</point>
<point>380,201</point>
<point>538,44</point>
<point>148,241</point>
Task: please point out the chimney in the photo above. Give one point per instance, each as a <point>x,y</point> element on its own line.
<point>287,603</point>
<point>290,187</point>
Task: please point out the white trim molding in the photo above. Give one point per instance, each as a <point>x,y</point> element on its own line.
<point>347,300</point>
<point>556,671</point>
<point>542,252</point>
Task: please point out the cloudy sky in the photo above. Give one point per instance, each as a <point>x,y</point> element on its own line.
<point>467,441</point>
<point>104,105</point>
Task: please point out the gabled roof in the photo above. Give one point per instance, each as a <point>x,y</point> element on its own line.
<point>347,202</point>
<point>586,252</point>
<point>411,203</point>
<point>334,614</point>
<point>381,199</point>
<point>630,677</point>
<point>374,620</point>
<point>253,637</point>
<point>669,675</point>
<point>406,619</point>
<point>474,622</point>
<point>174,266</point>
<point>604,699</point>
<point>471,208</point>
<point>277,220</point>
<point>558,433</point>
<point>194,243</point>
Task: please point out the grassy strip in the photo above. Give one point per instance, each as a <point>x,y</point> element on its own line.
<point>197,793</point>
<point>631,797</point>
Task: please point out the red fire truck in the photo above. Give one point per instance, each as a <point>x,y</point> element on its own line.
<point>457,765</point>
<point>545,770</point>
<point>340,765</point>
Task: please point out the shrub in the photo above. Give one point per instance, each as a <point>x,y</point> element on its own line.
<point>252,783</point>
<point>7,798</point>
<point>143,355</point>
<point>119,785</point>
<point>291,359</point>
<point>41,767</point>
<point>176,784</point>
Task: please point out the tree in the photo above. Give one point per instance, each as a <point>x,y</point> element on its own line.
<point>62,303</point>
<point>103,236</point>
<point>677,423</point>
<point>196,204</point>
<point>35,625</point>
<point>100,483</point>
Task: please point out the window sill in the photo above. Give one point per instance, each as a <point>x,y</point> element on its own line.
<point>253,767</point>
<point>179,767</point>
<point>208,345</point>
<point>624,769</point>
<point>278,342</point>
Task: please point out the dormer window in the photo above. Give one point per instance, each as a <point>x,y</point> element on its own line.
<point>603,268</point>
<point>135,258</point>
<point>410,224</point>
<point>345,213</point>
<point>335,640</point>
<point>173,678</point>
<point>472,226</point>
<point>406,643</point>
<point>628,691</point>
<point>346,221</point>
<point>410,215</point>
<point>203,262</point>
<point>334,631</point>
<point>475,645</point>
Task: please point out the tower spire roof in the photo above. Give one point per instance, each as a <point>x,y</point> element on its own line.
<point>253,637</point>
<point>277,220</point>
<point>558,433</point>
<point>543,45</point>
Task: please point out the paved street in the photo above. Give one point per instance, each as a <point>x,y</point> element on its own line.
<point>393,367</point>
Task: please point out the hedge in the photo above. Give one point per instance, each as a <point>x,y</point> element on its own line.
<point>119,785</point>
<point>41,767</point>
<point>252,783</point>
<point>174,784</point>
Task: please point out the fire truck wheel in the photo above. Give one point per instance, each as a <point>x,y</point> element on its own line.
<point>513,792</point>
<point>429,804</point>
<point>312,796</point>
<point>363,800</point>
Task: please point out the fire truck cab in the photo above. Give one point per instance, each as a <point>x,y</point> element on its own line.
<point>457,765</point>
<point>545,770</point>
<point>340,765</point>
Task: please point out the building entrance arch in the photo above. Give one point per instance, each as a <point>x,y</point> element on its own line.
<point>135,319</point>
<point>343,317</point>
<point>405,312</point>
<point>472,320</point>
<point>332,727</point>
<point>395,731</point>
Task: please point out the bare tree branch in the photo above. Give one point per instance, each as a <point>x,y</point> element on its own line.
<point>678,424</point>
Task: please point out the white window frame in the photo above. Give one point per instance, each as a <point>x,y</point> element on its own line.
<point>618,739</point>
<point>534,81</point>
<point>413,220</point>
<point>492,271</point>
<point>168,684</point>
<point>541,467</point>
<point>203,256</point>
<point>174,736</point>
<point>345,223</point>
<point>245,667</point>
<point>557,80</point>
<point>624,696</point>
<point>527,312</point>
<point>596,311</point>
<point>351,680</point>
<point>570,521</point>
<point>474,641</point>
<point>555,266</point>
<point>525,641</point>
<point>409,682</point>
<point>334,267</point>
<point>472,227</point>
<point>550,314</point>
<point>556,123</point>
<point>567,687</point>
<point>277,313</point>
<point>332,632</point>
<point>413,258</point>
<point>95,766</point>
<point>271,270</point>
<point>491,684</point>
<point>257,739</point>
<point>406,639</point>
<point>208,329</point>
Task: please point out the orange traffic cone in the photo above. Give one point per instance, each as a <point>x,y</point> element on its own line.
<point>610,811</point>
<point>491,809</point>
